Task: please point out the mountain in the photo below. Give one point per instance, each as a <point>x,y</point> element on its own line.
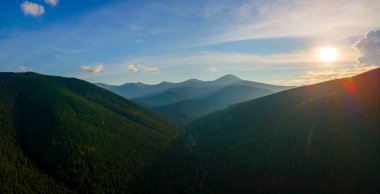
<point>227,80</point>
<point>141,90</point>
<point>176,94</point>
<point>322,138</point>
<point>135,90</point>
<point>64,135</point>
<point>193,98</point>
<point>190,109</point>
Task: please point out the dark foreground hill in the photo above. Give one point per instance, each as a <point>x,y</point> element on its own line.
<point>62,135</point>
<point>323,138</point>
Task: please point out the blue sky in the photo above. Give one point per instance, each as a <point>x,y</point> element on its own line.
<point>152,41</point>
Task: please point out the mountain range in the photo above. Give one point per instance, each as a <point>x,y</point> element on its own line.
<point>139,90</point>
<point>322,138</point>
<point>190,109</point>
<point>65,135</point>
<point>191,99</point>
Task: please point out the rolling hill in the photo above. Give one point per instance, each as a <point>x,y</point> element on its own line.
<point>61,135</point>
<point>322,138</point>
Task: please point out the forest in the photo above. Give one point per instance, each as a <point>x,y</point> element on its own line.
<point>64,135</point>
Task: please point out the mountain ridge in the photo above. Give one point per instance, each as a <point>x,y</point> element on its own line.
<point>190,109</point>
<point>316,125</point>
<point>136,90</point>
<point>321,138</point>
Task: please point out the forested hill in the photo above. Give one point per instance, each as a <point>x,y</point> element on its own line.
<point>63,135</point>
<point>322,138</point>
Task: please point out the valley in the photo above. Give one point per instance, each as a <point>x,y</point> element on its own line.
<point>191,99</point>
<point>312,139</point>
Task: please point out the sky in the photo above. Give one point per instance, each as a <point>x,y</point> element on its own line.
<point>119,41</point>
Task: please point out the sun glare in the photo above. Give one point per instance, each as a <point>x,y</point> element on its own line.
<point>328,54</point>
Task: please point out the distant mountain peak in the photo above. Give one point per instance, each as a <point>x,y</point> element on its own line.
<point>165,83</point>
<point>229,78</point>
<point>139,84</point>
<point>192,81</point>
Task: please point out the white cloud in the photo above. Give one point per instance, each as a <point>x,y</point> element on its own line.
<point>210,11</point>
<point>294,18</point>
<point>33,9</point>
<point>24,68</point>
<point>94,69</point>
<point>200,59</point>
<point>135,68</point>
<point>52,2</point>
<point>369,47</point>
<point>132,68</point>
<point>313,77</point>
<point>149,69</point>
<point>212,70</point>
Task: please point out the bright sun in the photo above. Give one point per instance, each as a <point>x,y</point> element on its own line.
<point>328,54</point>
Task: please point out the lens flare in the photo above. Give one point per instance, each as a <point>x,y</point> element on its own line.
<point>349,86</point>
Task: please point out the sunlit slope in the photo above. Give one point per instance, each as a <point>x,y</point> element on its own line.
<point>60,134</point>
<point>323,138</point>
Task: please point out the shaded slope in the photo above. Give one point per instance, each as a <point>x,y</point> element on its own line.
<point>264,86</point>
<point>315,139</point>
<point>323,138</point>
<point>18,174</point>
<point>76,133</point>
<point>194,108</point>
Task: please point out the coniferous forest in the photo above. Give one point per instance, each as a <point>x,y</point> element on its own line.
<point>322,138</point>
<point>64,135</point>
<point>61,135</point>
<point>190,97</point>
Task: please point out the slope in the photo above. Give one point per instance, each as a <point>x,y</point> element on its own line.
<point>66,135</point>
<point>195,108</point>
<point>322,138</point>
<point>176,94</point>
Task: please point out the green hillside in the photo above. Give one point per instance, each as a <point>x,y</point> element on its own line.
<point>65,135</point>
<point>323,138</point>
<point>61,135</point>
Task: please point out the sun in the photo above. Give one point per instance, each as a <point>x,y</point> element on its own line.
<point>328,54</point>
